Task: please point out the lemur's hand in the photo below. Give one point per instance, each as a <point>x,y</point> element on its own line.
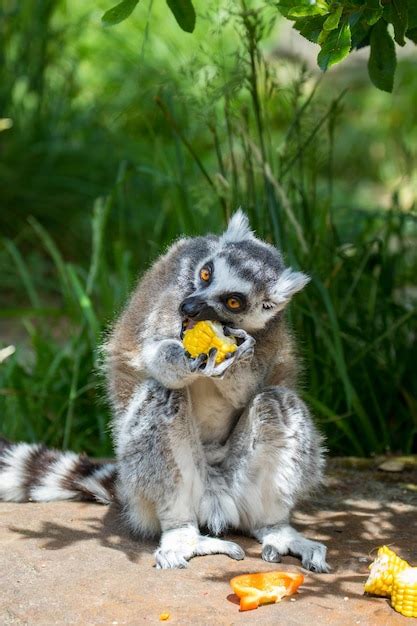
<point>206,364</point>
<point>246,342</point>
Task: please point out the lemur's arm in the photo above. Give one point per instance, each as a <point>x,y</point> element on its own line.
<point>165,360</point>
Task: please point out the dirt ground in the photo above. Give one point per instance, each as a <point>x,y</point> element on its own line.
<point>73,563</point>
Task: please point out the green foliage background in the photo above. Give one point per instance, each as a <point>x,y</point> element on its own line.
<point>115,140</point>
<point>338,26</point>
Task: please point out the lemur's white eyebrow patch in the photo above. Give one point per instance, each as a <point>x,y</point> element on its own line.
<point>225,279</point>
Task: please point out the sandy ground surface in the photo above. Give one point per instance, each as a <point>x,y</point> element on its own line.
<point>74,563</point>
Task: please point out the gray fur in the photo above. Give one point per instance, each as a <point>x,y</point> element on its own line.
<point>201,445</point>
<point>229,446</point>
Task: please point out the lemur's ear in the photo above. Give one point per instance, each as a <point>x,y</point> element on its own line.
<point>238,228</point>
<point>286,286</point>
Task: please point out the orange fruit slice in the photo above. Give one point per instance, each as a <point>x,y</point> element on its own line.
<point>265,587</point>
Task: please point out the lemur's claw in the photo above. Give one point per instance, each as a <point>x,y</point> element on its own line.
<point>246,343</point>
<point>210,366</point>
<point>197,363</point>
<point>239,333</point>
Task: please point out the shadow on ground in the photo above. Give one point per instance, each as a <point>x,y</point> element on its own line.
<point>356,512</point>
<point>109,531</point>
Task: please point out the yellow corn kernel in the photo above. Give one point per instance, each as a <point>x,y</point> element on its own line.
<point>383,570</point>
<point>207,335</point>
<point>404,592</point>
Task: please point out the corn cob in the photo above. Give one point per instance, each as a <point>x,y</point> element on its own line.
<point>207,335</point>
<point>404,592</point>
<point>383,570</point>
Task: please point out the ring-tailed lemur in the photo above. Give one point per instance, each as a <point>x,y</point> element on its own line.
<point>198,444</point>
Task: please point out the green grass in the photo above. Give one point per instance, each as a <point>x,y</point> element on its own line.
<point>100,181</point>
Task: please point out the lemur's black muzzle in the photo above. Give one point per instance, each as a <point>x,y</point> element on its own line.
<point>197,309</point>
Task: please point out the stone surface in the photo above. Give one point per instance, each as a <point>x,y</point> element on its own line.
<point>73,563</point>
<point>392,466</point>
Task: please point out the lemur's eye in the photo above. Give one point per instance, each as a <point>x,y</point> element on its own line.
<point>205,274</point>
<point>234,303</point>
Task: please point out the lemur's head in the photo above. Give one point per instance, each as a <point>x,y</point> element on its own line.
<point>243,283</point>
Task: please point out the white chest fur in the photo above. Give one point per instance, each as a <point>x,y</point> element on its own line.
<point>212,412</point>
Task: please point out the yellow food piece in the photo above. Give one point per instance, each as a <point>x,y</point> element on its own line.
<point>404,592</point>
<point>207,335</point>
<point>383,570</point>
<point>164,617</point>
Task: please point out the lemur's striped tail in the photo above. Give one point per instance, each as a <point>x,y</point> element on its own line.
<point>31,472</point>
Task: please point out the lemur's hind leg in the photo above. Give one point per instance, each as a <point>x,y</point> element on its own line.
<point>162,473</point>
<point>283,539</point>
<point>178,545</point>
<point>275,457</point>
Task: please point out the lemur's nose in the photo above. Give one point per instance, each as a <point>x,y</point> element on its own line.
<point>192,306</point>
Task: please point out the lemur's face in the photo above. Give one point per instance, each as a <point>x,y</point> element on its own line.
<point>243,285</point>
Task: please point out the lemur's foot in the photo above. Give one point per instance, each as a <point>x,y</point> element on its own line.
<point>280,540</point>
<point>271,554</point>
<point>181,544</point>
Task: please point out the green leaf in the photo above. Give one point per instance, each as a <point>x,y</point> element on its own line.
<point>382,60</point>
<point>372,11</point>
<point>119,12</point>
<point>184,13</point>
<point>397,13</point>
<point>361,40</point>
<point>333,20</point>
<point>304,11</point>
<point>322,37</point>
<point>360,33</point>
<point>335,48</point>
<point>285,6</point>
<point>310,27</point>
